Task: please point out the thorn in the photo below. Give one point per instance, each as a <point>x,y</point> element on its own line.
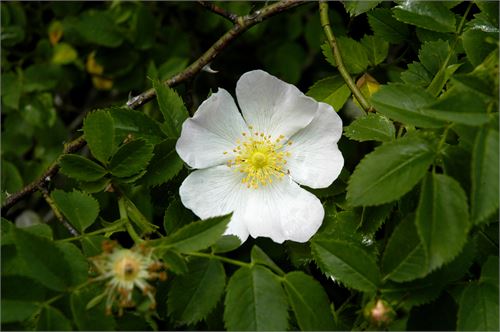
<point>208,69</point>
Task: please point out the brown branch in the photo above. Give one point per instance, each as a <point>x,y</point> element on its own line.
<point>243,23</point>
<point>219,11</point>
<point>57,212</point>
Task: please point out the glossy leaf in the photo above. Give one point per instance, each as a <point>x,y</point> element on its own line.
<point>173,109</point>
<point>442,218</point>
<point>485,192</point>
<point>376,48</point>
<point>347,263</point>
<point>78,207</point>
<point>130,124</point>
<point>255,301</point>
<point>372,127</point>
<point>331,90</point>
<point>404,256</point>
<point>309,302</point>
<point>385,26</point>
<point>194,295</point>
<point>98,128</point>
<point>164,165</point>
<point>357,7</point>
<point>176,216</point>
<point>430,15</point>
<point>81,168</point>
<point>390,171</point>
<point>260,257</point>
<point>131,158</point>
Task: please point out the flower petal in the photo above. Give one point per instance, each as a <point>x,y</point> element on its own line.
<point>315,160</point>
<point>283,211</point>
<point>272,106</point>
<point>214,129</point>
<point>216,191</point>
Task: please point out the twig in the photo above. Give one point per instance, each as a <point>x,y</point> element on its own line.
<point>219,11</point>
<point>325,23</point>
<point>56,211</point>
<point>243,24</point>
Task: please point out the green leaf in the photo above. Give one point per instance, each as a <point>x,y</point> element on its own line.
<point>358,7</point>
<point>376,49</point>
<point>404,103</point>
<point>390,171</point>
<point>17,311</point>
<point>442,218</point>
<point>11,89</point>
<point>176,216</point>
<point>11,178</point>
<point>64,54</point>
<point>99,133</point>
<point>78,263</point>
<point>404,256</point>
<point>41,77</point>
<point>476,45</point>
<point>78,207</point>
<point>226,243</point>
<point>385,26</point>
<point>461,106</point>
<point>429,15</point>
<point>478,308</point>
<point>174,262</point>
<point>131,158</point>
<point>21,288</point>
<point>255,301</point>
<point>51,319</point>
<point>144,28</point>
<point>90,319</point>
<point>372,127</point>
<point>194,295</point>
<point>172,107</point>
<point>130,124</point>
<point>353,54</point>
<point>416,74</point>
<point>81,168</point>
<point>258,256</point>
<point>331,90</point>
<point>44,260</point>
<point>197,235</point>
<point>489,271</point>
<point>347,263</point>
<point>434,54</point>
<point>373,217</point>
<point>98,27</point>
<point>309,302</point>
<point>164,165</point>
<point>485,193</point>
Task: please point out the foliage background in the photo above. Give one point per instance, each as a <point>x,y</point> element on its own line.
<point>412,220</point>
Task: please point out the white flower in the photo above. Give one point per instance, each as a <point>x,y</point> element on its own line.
<point>252,163</point>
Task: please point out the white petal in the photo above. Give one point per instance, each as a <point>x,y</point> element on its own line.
<point>216,191</point>
<point>272,106</point>
<point>315,160</point>
<point>214,129</point>
<point>283,211</point>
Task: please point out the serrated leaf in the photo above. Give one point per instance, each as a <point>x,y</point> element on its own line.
<point>77,262</point>
<point>489,271</point>
<point>404,256</point>
<point>93,319</point>
<point>478,308</point>
<point>347,263</point>
<point>416,74</point>
<point>194,295</point>
<point>197,235</point>
<point>130,124</point>
<point>131,158</point>
<point>373,217</point>
<point>43,259</point>
<point>98,128</point>
<point>164,165</point>
<point>476,46</point>
<point>385,26</point>
<point>255,301</point>
<point>258,256</point>
<point>376,49</point>
<point>353,54</point>
<point>78,207</point>
<point>434,54</point>
<point>372,127</point>
<point>51,319</point>
<point>176,216</point>
<point>485,192</point>
<point>309,302</point>
<point>358,7</point>
<point>404,103</point>
<point>174,262</point>
<point>172,107</point>
<point>81,168</point>
<point>331,90</point>
<point>17,311</point>
<point>226,243</point>
<point>390,171</point>
<point>429,15</point>
<point>442,218</point>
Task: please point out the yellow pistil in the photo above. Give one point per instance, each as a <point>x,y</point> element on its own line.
<point>260,158</point>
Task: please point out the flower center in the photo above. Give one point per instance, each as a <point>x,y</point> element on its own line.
<point>127,268</point>
<point>260,158</point>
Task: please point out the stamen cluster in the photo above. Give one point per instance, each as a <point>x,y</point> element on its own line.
<point>125,269</point>
<point>260,157</point>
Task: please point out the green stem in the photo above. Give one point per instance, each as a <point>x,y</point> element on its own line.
<point>128,225</point>
<point>220,258</point>
<point>97,232</point>
<point>332,41</point>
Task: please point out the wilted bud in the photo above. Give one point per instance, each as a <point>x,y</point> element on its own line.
<point>367,85</point>
<point>379,312</point>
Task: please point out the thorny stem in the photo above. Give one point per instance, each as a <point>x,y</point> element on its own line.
<point>243,23</point>
<point>219,11</point>
<point>57,212</point>
<point>325,23</point>
<point>220,258</point>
